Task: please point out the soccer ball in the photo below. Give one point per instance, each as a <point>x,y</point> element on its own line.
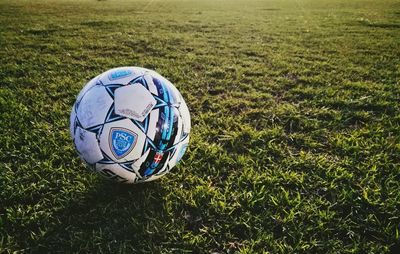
<point>130,124</point>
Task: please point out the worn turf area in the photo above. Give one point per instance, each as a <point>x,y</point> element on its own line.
<point>295,144</point>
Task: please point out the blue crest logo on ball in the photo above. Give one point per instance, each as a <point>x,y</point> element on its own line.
<point>121,141</point>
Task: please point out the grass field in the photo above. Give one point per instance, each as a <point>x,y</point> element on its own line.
<point>295,144</point>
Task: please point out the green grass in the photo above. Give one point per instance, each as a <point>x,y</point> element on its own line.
<point>295,144</point>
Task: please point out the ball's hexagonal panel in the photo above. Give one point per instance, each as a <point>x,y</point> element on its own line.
<point>122,140</point>
<point>72,120</point>
<point>87,145</point>
<point>133,101</point>
<point>87,87</point>
<point>93,107</point>
<point>116,173</point>
<point>185,114</point>
<point>179,152</point>
<point>122,75</point>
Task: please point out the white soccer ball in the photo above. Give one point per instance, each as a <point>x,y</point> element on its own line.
<point>130,124</point>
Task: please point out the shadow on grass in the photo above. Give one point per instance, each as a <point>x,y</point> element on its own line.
<point>111,217</point>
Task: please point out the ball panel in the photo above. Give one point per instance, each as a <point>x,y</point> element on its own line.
<point>133,101</point>
<point>159,174</point>
<point>116,173</point>
<point>94,106</point>
<point>162,169</point>
<point>179,152</point>
<point>185,114</point>
<point>154,163</point>
<point>151,163</point>
<point>72,122</point>
<point>179,132</point>
<point>149,81</point>
<point>87,145</point>
<point>166,91</point>
<point>167,83</point>
<point>136,165</point>
<point>153,119</point>
<point>121,75</point>
<point>166,128</point>
<point>87,87</point>
<point>122,140</point>
<point>156,176</point>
